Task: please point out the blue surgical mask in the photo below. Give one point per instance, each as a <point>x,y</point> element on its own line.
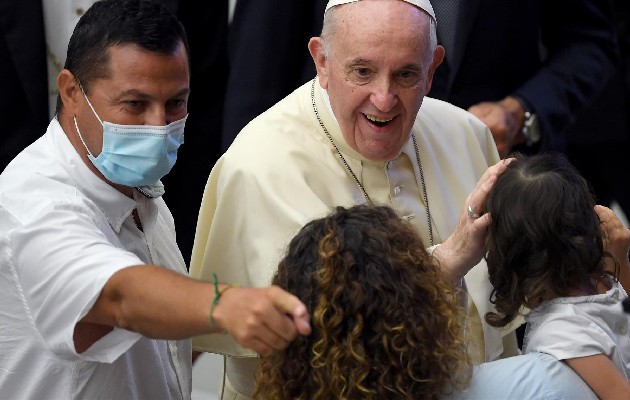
<point>136,155</point>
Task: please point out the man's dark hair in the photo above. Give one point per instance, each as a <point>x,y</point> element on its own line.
<point>145,23</point>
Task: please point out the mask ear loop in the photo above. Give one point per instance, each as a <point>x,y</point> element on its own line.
<point>81,137</point>
<point>77,125</point>
<point>90,104</point>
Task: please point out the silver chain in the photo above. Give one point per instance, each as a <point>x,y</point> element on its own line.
<point>356,180</point>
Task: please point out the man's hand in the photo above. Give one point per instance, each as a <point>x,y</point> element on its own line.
<point>616,242</point>
<point>465,247</point>
<point>262,319</point>
<point>505,120</point>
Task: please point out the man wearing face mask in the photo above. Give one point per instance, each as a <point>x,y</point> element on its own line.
<point>136,155</point>
<point>95,301</point>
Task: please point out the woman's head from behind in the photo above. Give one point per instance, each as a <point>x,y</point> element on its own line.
<point>385,323</point>
<point>544,238</point>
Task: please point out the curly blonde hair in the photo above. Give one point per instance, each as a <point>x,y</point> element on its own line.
<point>385,321</point>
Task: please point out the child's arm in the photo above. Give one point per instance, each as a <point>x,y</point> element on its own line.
<point>617,242</point>
<point>602,376</point>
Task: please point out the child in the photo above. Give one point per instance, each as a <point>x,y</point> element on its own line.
<point>385,322</point>
<point>546,252</point>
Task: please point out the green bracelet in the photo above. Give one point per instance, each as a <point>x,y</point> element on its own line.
<point>217,296</point>
<point>215,301</point>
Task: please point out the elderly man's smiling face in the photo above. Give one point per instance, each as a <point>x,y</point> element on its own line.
<point>378,69</point>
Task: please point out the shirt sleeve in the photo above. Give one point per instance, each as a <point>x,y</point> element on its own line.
<point>62,257</point>
<point>568,336</point>
<point>531,376</point>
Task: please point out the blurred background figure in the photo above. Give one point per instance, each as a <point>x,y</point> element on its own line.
<point>508,57</point>
<point>553,58</point>
<point>599,142</point>
<point>268,56</point>
<point>23,76</point>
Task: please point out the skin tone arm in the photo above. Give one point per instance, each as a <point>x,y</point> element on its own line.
<point>505,120</point>
<point>159,303</point>
<point>598,371</point>
<point>617,242</point>
<point>465,247</point>
<point>602,376</point>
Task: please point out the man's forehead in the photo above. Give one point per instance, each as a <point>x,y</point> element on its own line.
<point>132,66</point>
<point>422,4</point>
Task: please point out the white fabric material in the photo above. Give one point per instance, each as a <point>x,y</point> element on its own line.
<point>60,18</point>
<point>63,233</point>
<point>281,172</point>
<point>534,376</point>
<point>571,327</point>
<point>422,4</point>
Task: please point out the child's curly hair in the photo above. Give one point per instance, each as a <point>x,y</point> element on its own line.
<point>545,239</point>
<point>385,322</point>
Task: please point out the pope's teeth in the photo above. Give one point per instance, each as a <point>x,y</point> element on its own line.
<point>376,119</point>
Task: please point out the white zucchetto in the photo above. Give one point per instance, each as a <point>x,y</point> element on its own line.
<point>422,4</point>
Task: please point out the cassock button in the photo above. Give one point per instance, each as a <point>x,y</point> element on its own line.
<point>397,190</point>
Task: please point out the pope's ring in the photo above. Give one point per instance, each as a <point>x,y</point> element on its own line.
<point>472,214</point>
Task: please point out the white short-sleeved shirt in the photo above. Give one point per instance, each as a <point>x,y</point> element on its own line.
<point>63,233</point>
<point>571,327</point>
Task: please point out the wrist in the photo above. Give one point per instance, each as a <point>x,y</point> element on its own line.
<point>529,130</point>
<point>448,262</point>
<point>216,324</point>
<point>516,112</point>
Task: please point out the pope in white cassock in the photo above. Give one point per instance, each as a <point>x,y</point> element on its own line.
<point>361,131</point>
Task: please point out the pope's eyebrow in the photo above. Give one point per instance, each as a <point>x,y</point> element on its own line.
<point>365,62</point>
<point>412,67</point>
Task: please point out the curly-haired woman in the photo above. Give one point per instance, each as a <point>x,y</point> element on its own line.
<point>385,321</point>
